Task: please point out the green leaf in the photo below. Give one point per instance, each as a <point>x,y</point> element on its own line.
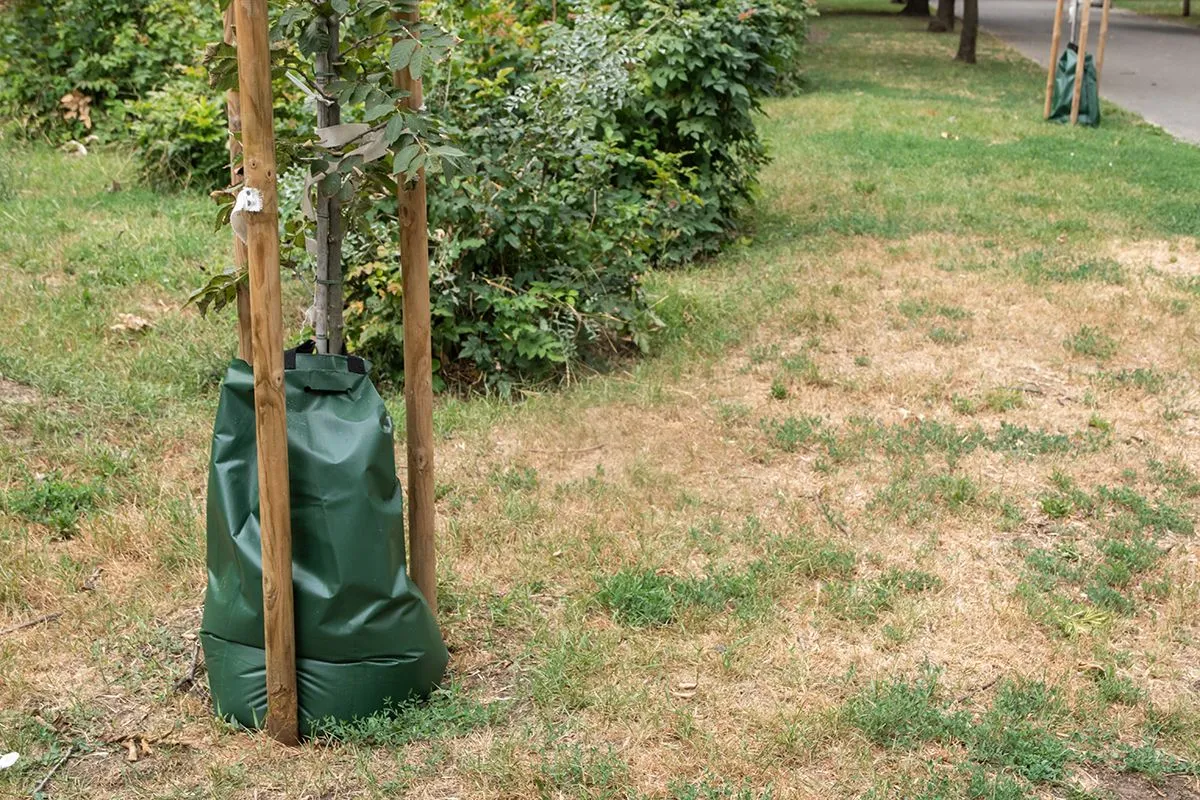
<point>402,163</point>
<point>402,53</point>
<point>416,67</point>
<point>395,129</point>
<point>376,111</point>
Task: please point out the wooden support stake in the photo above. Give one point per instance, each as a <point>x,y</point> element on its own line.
<point>233,111</point>
<point>1103,42</point>
<point>270,409</point>
<point>1079,67</point>
<point>418,362</point>
<point>1055,42</point>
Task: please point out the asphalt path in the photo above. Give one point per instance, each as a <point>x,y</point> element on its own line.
<point>1150,67</point>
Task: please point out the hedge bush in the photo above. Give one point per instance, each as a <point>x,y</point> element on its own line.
<point>614,140</point>
<point>108,51</point>
<point>181,135</point>
<point>604,138</point>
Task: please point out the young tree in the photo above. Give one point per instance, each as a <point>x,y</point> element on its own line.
<point>970,32</point>
<point>944,21</point>
<point>915,8</point>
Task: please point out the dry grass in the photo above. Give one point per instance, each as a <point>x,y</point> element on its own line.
<point>781,454</point>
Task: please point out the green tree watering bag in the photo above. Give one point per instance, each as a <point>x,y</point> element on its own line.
<point>364,634</point>
<point>1064,90</point>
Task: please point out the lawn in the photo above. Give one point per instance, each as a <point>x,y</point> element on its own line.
<point>902,506</point>
<point>1166,10</point>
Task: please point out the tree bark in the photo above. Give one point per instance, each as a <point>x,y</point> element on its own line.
<point>327,296</point>
<point>944,21</point>
<point>915,8</point>
<point>1187,8</point>
<point>970,32</point>
<point>233,113</point>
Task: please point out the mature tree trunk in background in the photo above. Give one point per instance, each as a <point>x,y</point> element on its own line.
<point>944,21</point>
<point>1187,8</point>
<point>970,31</point>
<point>915,8</point>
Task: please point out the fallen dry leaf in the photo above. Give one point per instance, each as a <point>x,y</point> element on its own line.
<point>132,323</point>
<point>77,105</point>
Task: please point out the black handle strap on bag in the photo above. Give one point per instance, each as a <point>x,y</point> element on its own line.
<point>309,347</point>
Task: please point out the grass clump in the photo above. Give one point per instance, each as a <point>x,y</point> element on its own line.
<point>449,712</point>
<point>1115,688</point>
<point>1147,759</point>
<point>515,479</point>
<point>792,433</point>
<point>1091,342</point>
<point>1105,572</point>
<point>866,600</point>
<point>1147,379</point>
<point>1037,268</point>
<point>1021,440</point>
<point>947,336</point>
<point>1015,734</point>
<point>642,598</point>
<point>598,772</point>
<point>902,713</point>
<point>52,501</point>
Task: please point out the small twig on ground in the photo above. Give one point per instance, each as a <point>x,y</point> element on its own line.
<point>46,780</point>
<point>591,449</point>
<point>977,690</point>
<point>31,623</point>
<point>185,683</point>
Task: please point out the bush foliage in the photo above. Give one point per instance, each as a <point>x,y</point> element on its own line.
<point>604,142</point>
<point>602,139</point>
<point>107,51</point>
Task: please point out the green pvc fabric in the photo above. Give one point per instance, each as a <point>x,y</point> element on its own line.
<point>1064,90</point>
<point>365,638</point>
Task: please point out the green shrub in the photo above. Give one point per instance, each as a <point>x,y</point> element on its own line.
<point>106,50</point>
<point>613,140</point>
<point>179,132</point>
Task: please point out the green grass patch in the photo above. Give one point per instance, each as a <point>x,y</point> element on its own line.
<point>1146,379</point>
<point>1091,342</point>
<point>450,712</point>
<point>791,433</point>
<point>53,501</point>
<point>642,597</point>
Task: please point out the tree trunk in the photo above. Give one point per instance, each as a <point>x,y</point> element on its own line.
<point>970,31</point>
<point>915,8</point>
<point>327,296</point>
<point>1187,8</point>
<point>944,21</point>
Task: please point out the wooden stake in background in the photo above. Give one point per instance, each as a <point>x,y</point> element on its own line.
<point>270,408</point>
<point>1079,67</point>
<point>1103,42</point>
<point>233,111</point>
<point>1055,42</point>
<point>418,362</point>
